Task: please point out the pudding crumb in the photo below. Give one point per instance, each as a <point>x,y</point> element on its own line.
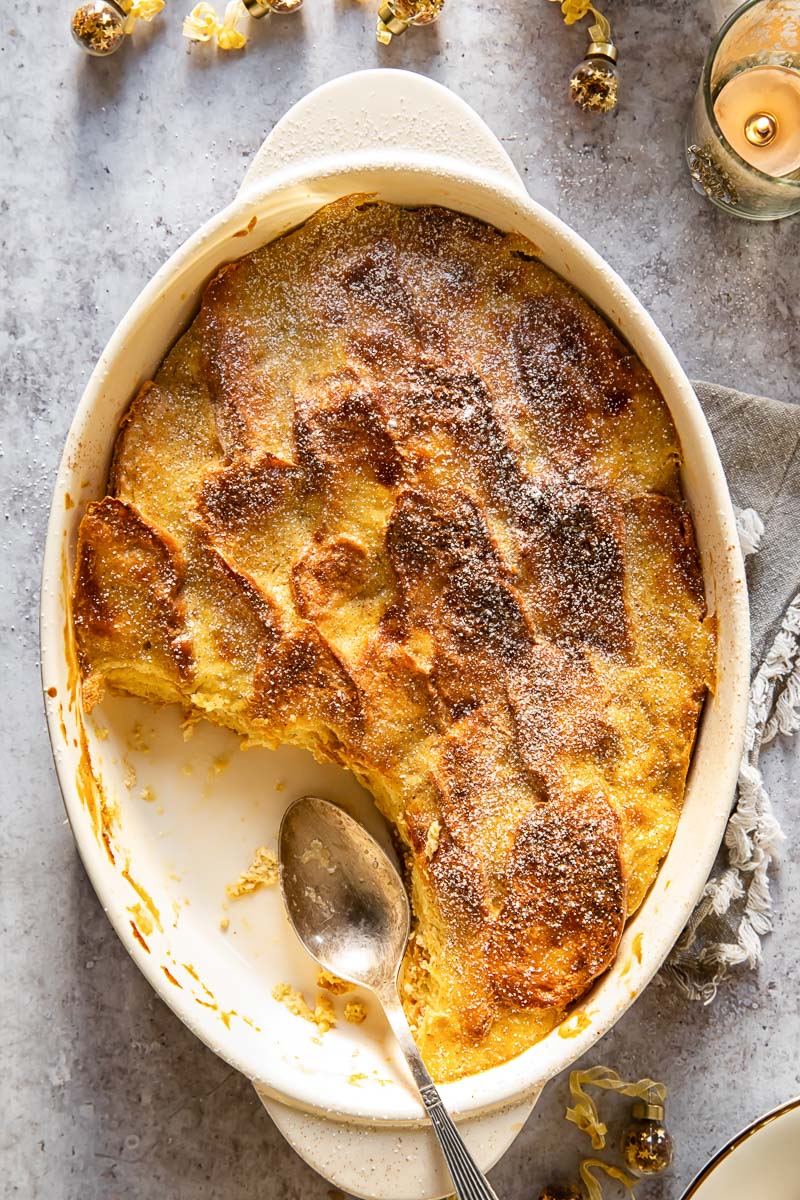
<point>432,840</point>
<point>262,872</point>
<point>322,1015</point>
<point>355,1011</point>
<point>332,983</point>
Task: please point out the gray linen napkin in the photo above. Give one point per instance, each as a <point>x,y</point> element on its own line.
<point>759,444</point>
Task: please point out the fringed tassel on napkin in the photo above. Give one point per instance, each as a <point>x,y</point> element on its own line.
<point>714,940</point>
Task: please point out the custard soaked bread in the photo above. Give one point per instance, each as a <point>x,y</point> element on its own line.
<point>400,496</point>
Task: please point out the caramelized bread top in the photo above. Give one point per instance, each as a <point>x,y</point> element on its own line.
<point>402,497</point>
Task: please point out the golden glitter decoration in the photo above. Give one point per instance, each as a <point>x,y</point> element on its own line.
<point>646,1143</point>
<point>395,16</point>
<point>593,86</point>
<point>594,83</point>
<point>98,27</point>
<point>417,12</point>
<point>262,8</point>
<point>709,176</point>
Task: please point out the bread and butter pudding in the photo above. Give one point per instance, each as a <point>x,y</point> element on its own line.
<point>400,496</point>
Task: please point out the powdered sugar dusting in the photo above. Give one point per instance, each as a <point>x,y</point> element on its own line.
<point>429,512</point>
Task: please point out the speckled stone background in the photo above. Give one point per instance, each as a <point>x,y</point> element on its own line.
<point>106,168</point>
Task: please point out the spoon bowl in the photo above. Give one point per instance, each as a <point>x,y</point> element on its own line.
<point>343,894</point>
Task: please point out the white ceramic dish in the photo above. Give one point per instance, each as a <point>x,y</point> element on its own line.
<point>344,1100</point>
<point>760,1162</point>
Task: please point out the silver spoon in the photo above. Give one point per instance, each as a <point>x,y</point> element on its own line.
<point>349,908</point>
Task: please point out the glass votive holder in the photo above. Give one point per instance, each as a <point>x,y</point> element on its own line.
<point>743,139</point>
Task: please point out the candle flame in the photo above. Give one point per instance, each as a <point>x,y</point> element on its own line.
<point>761,128</point>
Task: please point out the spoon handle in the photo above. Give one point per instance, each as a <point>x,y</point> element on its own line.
<point>469,1182</point>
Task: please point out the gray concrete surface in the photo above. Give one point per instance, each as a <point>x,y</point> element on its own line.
<point>106,167</point>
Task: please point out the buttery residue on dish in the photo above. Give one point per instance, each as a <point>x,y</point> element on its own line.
<point>574,1025</point>
<point>359,1077</point>
<point>219,764</point>
<point>144,896</point>
<point>318,853</point>
<point>143,918</point>
<point>136,740</point>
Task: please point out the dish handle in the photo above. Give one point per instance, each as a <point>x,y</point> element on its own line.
<point>381,110</point>
<point>392,1162</point>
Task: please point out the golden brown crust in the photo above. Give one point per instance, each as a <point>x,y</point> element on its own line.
<point>401,497</point>
<point>563,906</point>
<point>128,605</point>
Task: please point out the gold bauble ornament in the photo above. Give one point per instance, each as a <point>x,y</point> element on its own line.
<point>395,16</point>
<point>261,8</point>
<point>594,82</point>
<point>646,1144</point>
<point>99,27</point>
<point>558,1192</point>
<point>416,12</point>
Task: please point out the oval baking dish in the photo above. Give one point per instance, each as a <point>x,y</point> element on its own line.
<point>160,868</point>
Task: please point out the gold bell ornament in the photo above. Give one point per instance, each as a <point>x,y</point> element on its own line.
<point>100,26</point>
<point>395,16</point>
<point>557,1192</point>
<point>646,1144</point>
